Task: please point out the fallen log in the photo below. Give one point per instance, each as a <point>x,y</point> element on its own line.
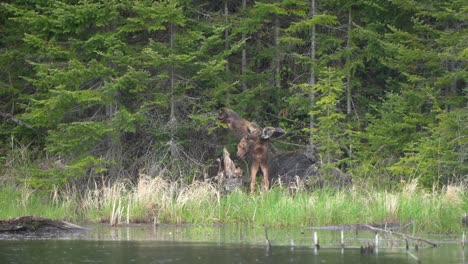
<point>36,224</point>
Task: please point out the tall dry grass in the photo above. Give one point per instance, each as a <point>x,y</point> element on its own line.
<point>152,199</point>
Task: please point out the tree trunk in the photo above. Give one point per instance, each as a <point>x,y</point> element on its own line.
<point>312,79</point>
<point>172,116</point>
<point>226,32</point>
<point>244,54</point>
<point>348,80</point>
<point>114,146</point>
<point>276,59</point>
<point>348,61</point>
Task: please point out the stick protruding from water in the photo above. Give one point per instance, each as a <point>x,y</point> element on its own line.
<point>463,240</point>
<point>268,244</point>
<point>316,241</point>
<point>376,249</point>
<point>342,238</point>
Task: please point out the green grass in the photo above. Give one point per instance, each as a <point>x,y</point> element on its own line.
<point>19,202</point>
<point>154,200</point>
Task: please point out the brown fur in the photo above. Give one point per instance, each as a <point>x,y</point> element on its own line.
<point>255,149</point>
<point>238,125</point>
<point>286,167</point>
<point>242,148</point>
<point>254,144</point>
<point>251,146</point>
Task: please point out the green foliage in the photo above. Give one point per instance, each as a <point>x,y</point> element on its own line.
<point>306,24</point>
<point>76,137</point>
<point>330,135</point>
<point>46,179</point>
<point>441,156</point>
<point>112,87</point>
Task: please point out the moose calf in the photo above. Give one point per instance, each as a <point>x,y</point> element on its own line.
<point>254,145</point>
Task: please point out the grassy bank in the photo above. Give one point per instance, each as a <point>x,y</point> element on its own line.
<point>158,201</point>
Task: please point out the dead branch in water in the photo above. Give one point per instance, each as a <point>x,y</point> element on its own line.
<point>381,227</point>
<point>401,234</point>
<point>361,226</point>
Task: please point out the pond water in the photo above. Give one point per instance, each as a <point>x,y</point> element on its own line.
<point>220,244</point>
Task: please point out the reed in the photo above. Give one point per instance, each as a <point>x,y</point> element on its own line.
<point>158,201</point>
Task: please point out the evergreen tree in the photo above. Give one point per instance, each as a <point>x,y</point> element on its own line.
<point>104,89</point>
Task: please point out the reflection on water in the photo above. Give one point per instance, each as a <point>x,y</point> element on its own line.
<point>221,244</point>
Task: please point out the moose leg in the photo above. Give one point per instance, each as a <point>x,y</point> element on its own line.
<point>266,182</point>
<point>253,175</point>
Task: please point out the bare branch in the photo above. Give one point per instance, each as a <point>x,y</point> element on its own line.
<point>13,119</point>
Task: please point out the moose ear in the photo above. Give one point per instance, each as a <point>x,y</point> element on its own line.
<point>249,132</point>
<point>272,132</point>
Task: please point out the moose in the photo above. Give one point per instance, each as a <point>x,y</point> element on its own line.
<point>255,146</point>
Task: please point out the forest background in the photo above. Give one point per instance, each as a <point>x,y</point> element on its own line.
<point>100,91</point>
